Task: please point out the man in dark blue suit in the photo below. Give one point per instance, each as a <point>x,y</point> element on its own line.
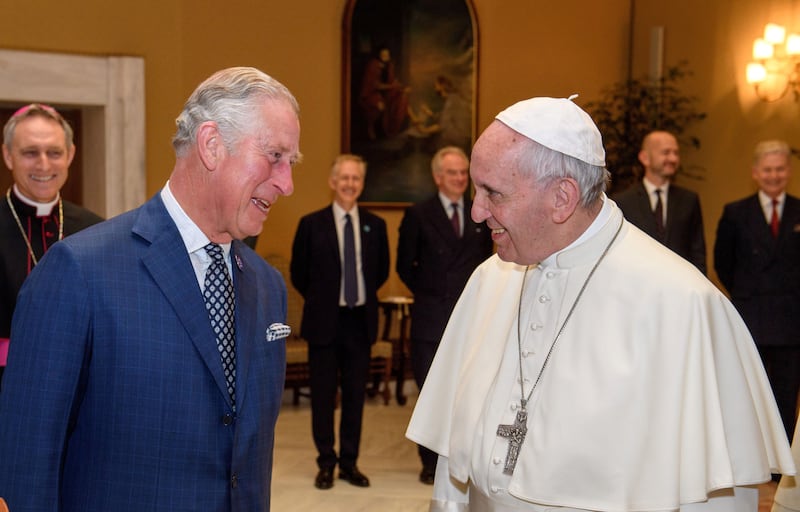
<point>340,322</point>
<point>678,222</point>
<point>116,396</point>
<point>757,256</point>
<point>438,248</point>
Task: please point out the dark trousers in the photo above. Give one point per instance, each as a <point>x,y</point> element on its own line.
<point>345,363</point>
<point>422,352</point>
<point>783,369</point>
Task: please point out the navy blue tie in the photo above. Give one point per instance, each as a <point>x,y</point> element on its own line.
<point>350,280</point>
<point>218,294</point>
<point>658,212</point>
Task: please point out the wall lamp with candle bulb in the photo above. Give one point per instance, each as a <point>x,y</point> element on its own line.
<point>775,69</point>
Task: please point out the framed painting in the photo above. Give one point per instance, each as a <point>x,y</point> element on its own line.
<point>409,87</point>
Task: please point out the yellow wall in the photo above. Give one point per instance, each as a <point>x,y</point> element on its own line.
<point>526,48</point>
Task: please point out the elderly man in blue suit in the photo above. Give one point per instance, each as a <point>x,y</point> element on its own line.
<point>125,388</point>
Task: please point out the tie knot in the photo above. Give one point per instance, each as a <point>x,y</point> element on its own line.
<point>658,192</point>
<point>215,251</point>
<point>455,206</point>
<point>775,203</point>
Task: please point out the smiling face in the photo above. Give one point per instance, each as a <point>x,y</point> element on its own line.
<point>452,177</point>
<point>660,157</point>
<point>39,158</point>
<point>771,173</point>
<point>347,183</point>
<point>517,208</point>
<point>256,171</point>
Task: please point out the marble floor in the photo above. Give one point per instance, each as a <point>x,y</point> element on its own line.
<point>387,458</point>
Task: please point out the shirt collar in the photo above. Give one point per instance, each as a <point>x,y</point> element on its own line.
<point>193,238</point>
<point>339,212</point>
<point>766,201</point>
<point>651,188</point>
<point>446,202</point>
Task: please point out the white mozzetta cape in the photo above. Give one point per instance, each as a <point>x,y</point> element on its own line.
<point>655,394</point>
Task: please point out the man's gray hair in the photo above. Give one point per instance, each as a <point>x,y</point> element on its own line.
<point>546,165</point>
<point>348,157</point>
<point>36,110</point>
<point>767,147</point>
<point>436,161</point>
<point>228,98</point>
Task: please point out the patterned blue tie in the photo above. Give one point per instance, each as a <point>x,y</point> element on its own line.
<point>218,294</point>
<point>350,279</point>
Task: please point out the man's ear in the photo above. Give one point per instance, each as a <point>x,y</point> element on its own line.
<point>567,195</point>
<point>70,154</point>
<point>209,144</point>
<point>7,156</point>
<point>644,158</point>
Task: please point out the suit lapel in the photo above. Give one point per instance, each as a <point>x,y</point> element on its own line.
<point>759,227</point>
<point>246,314</point>
<point>329,232</point>
<point>365,229</point>
<point>168,263</point>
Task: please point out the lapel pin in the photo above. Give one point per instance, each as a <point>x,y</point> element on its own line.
<point>238,261</point>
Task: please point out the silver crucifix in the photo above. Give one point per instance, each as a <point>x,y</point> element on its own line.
<point>516,435</point>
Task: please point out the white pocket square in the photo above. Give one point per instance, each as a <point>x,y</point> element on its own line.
<point>278,331</point>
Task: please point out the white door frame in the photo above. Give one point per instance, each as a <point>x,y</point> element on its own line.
<point>110,93</point>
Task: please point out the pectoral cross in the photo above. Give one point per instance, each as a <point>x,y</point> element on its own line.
<point>516,435</point>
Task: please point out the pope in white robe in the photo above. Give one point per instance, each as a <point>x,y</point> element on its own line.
<point>645,390</point>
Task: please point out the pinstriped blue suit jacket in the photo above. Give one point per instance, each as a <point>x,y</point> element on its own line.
<point>114,397</point>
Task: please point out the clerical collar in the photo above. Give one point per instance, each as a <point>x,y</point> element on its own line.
<point>42,209</point>
<point>595,227</point>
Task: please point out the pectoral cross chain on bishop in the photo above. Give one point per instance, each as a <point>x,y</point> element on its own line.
<point>516,435</point>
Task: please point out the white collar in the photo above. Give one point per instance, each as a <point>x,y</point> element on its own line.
<point>193,238</point>
<point>42,209</point>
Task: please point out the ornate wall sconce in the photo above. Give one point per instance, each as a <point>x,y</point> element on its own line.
<point>775,69</point>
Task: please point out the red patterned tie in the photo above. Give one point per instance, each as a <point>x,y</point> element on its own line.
<point>454,220</point>
<point>774,222</point>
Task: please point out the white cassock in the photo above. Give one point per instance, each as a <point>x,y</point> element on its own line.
<point>654,397</point>
<point>787,496</point>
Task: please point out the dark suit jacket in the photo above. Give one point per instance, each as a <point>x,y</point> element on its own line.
<point>114,398</point>
<point>761,273</point>
<point>435,264</point>
<point>684,228</point>
<point>316,271</point>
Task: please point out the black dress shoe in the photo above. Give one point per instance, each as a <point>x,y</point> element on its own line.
<point>324,479</point>
<point>354,476</point>
<point>426,476</point>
